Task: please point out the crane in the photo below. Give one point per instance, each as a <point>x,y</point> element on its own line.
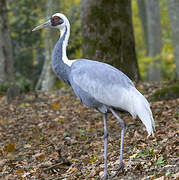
<point>98,85</point>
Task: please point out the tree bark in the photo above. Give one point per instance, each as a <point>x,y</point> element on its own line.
<point>143,18</point>
<point>173,7</point>
<point>47,77</point>
<point>152,32</point>
<point>107,34</point>
<point>6,58</point>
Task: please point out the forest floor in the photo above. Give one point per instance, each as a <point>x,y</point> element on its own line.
<point>53,136</point>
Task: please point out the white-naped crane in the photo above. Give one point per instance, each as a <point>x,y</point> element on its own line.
<point>98,85</point>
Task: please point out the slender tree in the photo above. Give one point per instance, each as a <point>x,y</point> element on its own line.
<point>173,6</point>
<point>143,18</point>
<point>108,34</point>
<point>6,58</point>
<point>150,17</point>
<point>47,77</point>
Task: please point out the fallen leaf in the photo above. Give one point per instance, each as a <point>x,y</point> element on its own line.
<point>56,106</point>
<point>19,171</point>
<point>176,176</point>
<point>10,147</point>
<point>39,156</point>
<point>75,160</point>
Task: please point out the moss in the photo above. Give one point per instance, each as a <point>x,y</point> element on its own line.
<point>3,88</point>
<point>142,91</point>
<point>166,93</point>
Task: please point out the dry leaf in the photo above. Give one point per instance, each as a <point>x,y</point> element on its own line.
<point>19,171</point>
<point>56,106</point>
<point>9,148</point>
<point>39,156</point>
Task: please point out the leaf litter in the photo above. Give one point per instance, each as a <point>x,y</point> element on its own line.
<point>53,136</point>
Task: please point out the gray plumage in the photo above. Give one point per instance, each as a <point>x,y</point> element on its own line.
<point>61,69</point>
<point>89,78</point>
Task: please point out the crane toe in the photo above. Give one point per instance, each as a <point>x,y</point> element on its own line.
<point>105,177</point>
<point>120,166</point>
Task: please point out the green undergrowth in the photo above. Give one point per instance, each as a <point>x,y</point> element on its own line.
<point>23,84</point>
<point>166,93</point>
<point>3,88</point>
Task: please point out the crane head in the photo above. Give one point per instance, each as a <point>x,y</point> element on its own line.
<point>57,20</point>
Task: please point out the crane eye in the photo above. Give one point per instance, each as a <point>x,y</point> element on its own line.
<point>56,19</point>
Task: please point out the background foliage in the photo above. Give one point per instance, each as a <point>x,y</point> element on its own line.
<point>167,66</point>
<point>28,47</point>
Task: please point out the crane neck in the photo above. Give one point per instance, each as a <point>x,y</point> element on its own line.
<point>60,62</point>
<point>64,36</point>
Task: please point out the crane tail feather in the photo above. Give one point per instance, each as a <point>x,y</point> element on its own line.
<point>142,110</point>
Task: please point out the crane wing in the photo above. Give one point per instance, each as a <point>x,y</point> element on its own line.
<point>103,82</point>
<point>109,86</point>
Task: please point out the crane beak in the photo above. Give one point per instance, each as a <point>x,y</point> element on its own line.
<point>44,25</point>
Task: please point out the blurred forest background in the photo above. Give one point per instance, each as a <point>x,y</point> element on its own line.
<point>51,135</point>
<point>25,56</point>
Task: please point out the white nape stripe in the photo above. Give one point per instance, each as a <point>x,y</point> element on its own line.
<point>65,44</point>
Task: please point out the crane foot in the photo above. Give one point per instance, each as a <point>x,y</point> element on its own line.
<point>120,166</point>
<point>105,177</point>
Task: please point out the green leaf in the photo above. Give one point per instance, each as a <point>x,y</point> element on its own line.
<point>94,159</point>
<point>74,160</point>
<point>81,131</point>
<point>168,173</point>
<point>160,160</point>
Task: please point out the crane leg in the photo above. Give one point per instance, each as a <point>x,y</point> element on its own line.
<point>123,125</point>
<point>105,147</point>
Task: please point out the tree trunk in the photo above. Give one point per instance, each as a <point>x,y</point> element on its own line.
<point>173,7</point>
<point>108,34</point>
<point>152,32</point>
<point>6,58</point>
<point>47,77</point>
<point>143,17</point>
